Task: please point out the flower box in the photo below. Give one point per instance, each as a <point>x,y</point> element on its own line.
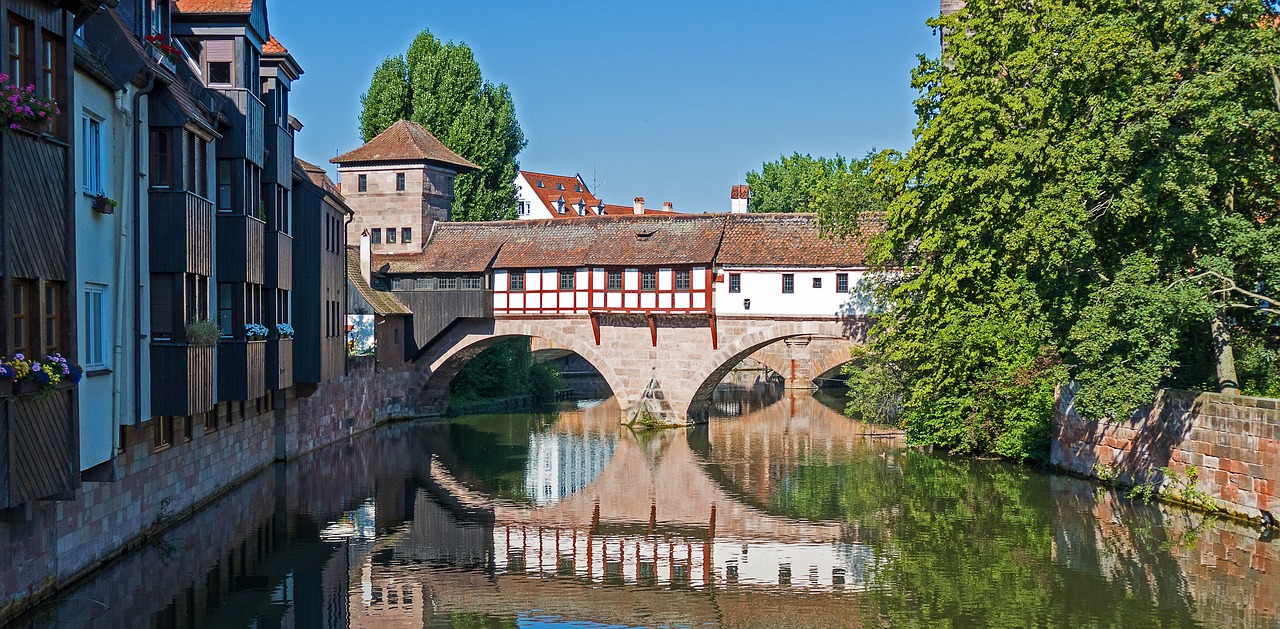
<point>104,205</point>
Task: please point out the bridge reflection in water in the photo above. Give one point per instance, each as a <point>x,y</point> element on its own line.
<point>784,513</point>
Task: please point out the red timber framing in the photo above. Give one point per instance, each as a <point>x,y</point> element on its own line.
<point>540,291</point>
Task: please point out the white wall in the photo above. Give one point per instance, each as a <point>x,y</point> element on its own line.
<point>99,255</point>
<point>763,287</point>
<point>526,195</point>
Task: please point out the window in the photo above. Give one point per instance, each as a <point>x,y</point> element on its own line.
<point>566,280</point>
<point>540,184</point>
<point>817,282</point>
<point>447,283</point>
<point>399,284</point>
<point>91,156</point>
<point>426,283</point>
<point>161,159</point>
<point>842,282</point>
<point>735,282</point>
<point>49,66</point>
<point>95,343</point>
<point>23,332</point>
<point>559,186</point>
<point>648,280</point>
<point>362,183</point>
<point>219,73</point>
<point>406,234</point>
<point>162,433</point>
<point>225,310</point>
<point>52,318</point>
<point>577,187</point>
<point>391,235</point>
<point>224,186</point>
<point>157,16</point>
<point>517,281</point>
<point>788,283</point>
<point>524,208</point>
<point>195,172</point>
<point>375,236</point>
<point>399,182</point>
<point>20,51</point>
<point>472,283</point>
<point>682,280</point>
<point>613,280</point>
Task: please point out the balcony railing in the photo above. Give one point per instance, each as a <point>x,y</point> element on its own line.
<point>279,260</point>
<point>247,137</point>
<point>181,379</point>
<point>279,368</point>
<point>240,249</point>
<point>38,436</point>
<point>181,233</point>
<point>241,369</point>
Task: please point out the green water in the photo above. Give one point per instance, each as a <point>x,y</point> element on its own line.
<point>778,513</point>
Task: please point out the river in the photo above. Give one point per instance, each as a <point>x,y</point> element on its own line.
<point>780,512</point>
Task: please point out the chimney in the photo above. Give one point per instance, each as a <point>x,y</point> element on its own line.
<point>366,257</point>
<point>739,198</point>
<point>639,206</point>
<point>667,207</point>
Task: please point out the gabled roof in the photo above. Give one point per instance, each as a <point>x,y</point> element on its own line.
<point>273,47</point>
<point>622,210</point>
<point>788,240</point>
<point>406,141</point>
<point>555,187</point>
<point>382,302</point>
<point>217,7</point>
<point>319,177</point>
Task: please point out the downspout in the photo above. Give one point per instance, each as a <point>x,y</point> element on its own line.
<point>118,307</point>
<point>346,277</point>
<point>137,246</point>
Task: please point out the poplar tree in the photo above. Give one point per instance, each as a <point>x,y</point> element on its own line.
<point>1092,199</point>
<point>440,86</point>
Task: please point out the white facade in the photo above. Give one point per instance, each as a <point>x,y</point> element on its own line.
<point>107,329</point>
<point>814,291</point>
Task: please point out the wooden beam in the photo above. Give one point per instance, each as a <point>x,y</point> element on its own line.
<point>595,326</point>
<point>653,329</point>
<point>715,333</point>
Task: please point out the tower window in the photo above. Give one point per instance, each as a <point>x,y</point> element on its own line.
<point>400,182</point>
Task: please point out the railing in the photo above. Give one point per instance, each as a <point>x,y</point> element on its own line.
<point>37,445</point>
<point>181,232</point>
<point>181,379</point>
<point>247,137</point>
<point>279,369</point>
<point>241,370</point>
<point>279,260</point>
<point>240,249</point>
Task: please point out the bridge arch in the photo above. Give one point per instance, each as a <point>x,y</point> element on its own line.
<point>446,356</point>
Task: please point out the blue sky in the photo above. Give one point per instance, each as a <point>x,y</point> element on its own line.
<point>672,101</point>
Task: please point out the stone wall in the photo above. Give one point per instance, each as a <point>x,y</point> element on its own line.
<point>54,543</point>
<point>1232,441</point>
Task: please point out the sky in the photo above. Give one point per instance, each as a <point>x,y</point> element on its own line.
<point>671,101</point>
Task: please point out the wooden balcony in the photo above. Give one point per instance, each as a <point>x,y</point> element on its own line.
<point>39,440</point>
<point>247,137</point>
<point>241,369</point>
<point>279,167</point>
<point>240,249</point>
<point>181,379</point>
<point>34,212</point>
<point>279,260</point>
<point>279,369</point>
<point>181,233</point>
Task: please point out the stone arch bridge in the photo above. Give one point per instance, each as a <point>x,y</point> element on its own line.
<point>661,369</point>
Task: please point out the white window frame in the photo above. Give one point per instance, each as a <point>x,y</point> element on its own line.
<point>96,326</point>
<point>91,153</point>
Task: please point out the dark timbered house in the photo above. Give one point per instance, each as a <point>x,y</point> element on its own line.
<point>320,215</point>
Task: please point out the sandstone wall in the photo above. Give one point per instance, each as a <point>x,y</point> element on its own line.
<point>1232,441</point>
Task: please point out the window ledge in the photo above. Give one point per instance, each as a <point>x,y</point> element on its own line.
<point>93,373</point>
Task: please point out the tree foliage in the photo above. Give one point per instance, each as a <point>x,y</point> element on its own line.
<point>439,85</point>
<point>506,369</point>
<point>828,186</point>
<point>1079,164</point>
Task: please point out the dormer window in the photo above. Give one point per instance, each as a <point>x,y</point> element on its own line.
<point>219,57</point>
<point>577,187</point>
<point>560,205</point>
<point>559,186</point>
<point>540,184</point>
<point>582,208</point>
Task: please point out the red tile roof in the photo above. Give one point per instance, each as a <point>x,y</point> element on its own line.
<point>619,210</point>
<point>214,6</point>
<point>405,141</point>
<point>319,177</point>
<point>382,302</point>
<point>787,240</point>
<point>555,187</point>
<point>273,47</point>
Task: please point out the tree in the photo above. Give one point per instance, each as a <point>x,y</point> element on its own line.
<point>1079,165</point>
<point>440,86</point>
<point>803,183</point>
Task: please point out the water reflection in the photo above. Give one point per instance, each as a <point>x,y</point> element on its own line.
<point>782,514</point>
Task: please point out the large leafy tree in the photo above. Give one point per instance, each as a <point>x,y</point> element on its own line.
<point>833,186</point>
<point>1091,196</point>
<point>439,85</point>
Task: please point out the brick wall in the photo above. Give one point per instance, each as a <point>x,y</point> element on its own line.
<point>1233,441</point>
<point>61,541</point>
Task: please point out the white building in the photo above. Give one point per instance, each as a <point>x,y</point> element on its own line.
<point>544,195</point>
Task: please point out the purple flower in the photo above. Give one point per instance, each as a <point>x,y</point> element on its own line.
<point>36,367</point>
<point>66,371</point>
<point>19,357</point>
<point>15,126</point>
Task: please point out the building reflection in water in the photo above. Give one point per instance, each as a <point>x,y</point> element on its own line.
<point>788,514</point>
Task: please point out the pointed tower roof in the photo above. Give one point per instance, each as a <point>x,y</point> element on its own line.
<point>406,141</point>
